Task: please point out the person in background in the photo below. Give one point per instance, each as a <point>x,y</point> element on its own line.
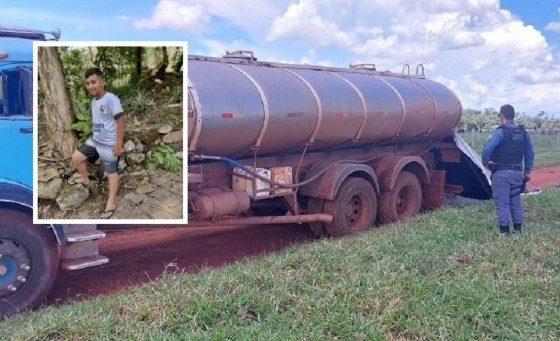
<point>509,155</point>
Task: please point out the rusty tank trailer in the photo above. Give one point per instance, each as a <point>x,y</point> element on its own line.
<point>340,148</point>
<point>239,106</point>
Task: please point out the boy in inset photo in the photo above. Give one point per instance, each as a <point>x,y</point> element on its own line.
<point>106,143</point>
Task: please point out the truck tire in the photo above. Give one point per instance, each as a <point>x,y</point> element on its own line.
<point>29,262</point>
<point>354,208</point>
<point>315,205</point>
<point>404,201</point>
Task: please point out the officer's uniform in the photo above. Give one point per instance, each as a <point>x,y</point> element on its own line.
<point>509,147</point>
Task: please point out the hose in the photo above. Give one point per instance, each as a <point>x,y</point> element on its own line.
<point>313,178</point>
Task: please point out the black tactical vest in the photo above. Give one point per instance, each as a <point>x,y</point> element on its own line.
<point>512,148</point>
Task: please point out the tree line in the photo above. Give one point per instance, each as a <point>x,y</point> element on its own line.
<point>488,120</point>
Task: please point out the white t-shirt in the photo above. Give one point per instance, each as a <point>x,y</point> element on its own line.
<point>105,111</point>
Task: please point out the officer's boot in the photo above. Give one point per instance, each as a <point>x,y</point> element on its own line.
<point>517,227</point>
<point>504,228</point>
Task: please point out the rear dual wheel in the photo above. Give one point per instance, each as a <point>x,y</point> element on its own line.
<point>404,201</point>
<point>314,206</point>
<point>354,209</point>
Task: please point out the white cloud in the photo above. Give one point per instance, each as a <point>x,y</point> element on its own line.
<point>487,55</point>
<point>414,29</point>
<point>553,26</point>
<point>196,15</point>
<point>175,15</point>
<point>502,55</point>
<point>122,18</point>
<point>303,22</point>
<point>538,75</point>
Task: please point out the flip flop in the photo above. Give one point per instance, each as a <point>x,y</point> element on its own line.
<point>74,181</point>
<point>112,211</point>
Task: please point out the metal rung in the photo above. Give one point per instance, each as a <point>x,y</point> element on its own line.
<point>84,236</point>
<point>85,262</point>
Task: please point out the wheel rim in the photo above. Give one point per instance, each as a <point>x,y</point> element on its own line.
<point>14,266</point>
<point>356,212</point>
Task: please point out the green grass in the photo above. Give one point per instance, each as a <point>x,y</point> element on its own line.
<point>446,275</point>
<point>547,147</point>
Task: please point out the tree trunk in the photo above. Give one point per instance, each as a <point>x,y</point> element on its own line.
<point>160,74</point>
<point>177,67</point>
<point>58,111</point>
<point>138,62</point>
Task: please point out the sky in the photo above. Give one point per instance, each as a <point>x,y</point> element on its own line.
<point>490,52</point>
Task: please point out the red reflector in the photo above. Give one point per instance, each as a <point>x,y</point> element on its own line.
<point>227,115</point>
<point>294,114</point>
<point>341,114</point>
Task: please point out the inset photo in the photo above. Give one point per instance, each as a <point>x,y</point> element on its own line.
<point>109,134</point>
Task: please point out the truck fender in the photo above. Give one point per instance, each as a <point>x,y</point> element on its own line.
<point>326,186</point>
<point>13,192</point>
<point>388,168</point>
<point>20,196</point>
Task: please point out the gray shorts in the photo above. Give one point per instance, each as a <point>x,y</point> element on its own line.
<point>94,150</point>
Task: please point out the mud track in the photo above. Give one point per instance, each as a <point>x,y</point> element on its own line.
<point>141,255</point>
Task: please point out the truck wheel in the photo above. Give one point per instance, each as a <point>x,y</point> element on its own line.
<point>354,208</point>
<point>404,201</point>
<point>28,263</point>
<point>315,205</point>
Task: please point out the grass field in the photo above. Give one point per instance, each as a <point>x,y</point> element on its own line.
<point>445,275</point>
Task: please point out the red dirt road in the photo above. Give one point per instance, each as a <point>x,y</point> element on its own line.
<point>138,256</point>
<point>141,255</point>
<point>544,177</point>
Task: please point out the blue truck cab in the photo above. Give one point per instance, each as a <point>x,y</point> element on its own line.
<point>30,255</point>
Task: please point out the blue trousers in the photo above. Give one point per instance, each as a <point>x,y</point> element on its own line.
<point>506,192</point>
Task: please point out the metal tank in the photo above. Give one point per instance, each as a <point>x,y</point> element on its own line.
<point>238,106</point>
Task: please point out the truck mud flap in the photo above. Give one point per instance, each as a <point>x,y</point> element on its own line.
<point>467,175</point>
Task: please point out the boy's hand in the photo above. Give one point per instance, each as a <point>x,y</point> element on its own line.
<point>117,150</point>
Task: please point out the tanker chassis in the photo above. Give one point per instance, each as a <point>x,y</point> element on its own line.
<point>342,149</point>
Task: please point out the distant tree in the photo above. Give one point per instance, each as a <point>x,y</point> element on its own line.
<point>542,116</point>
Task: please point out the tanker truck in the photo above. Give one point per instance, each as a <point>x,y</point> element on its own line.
<point>337,149</point>
<point>342,149</point>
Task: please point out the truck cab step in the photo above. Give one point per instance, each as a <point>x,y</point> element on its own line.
<point>84,262</point>
<point>81,236</point>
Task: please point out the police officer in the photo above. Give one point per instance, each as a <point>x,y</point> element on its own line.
<point>506,151</point>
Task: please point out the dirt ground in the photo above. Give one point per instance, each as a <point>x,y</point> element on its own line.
<point>141,255</point>
<point>544,177</point>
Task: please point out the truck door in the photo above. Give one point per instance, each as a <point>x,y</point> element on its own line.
<point>16,124</point>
